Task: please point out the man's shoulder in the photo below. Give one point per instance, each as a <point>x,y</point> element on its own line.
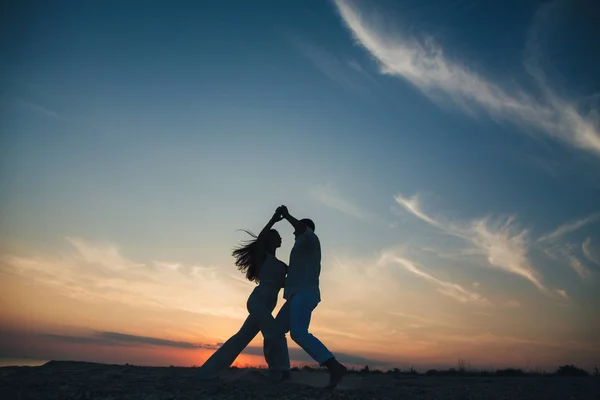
<point>310,235</point>
<point>310,232</point>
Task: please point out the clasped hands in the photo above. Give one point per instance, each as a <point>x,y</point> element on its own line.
<point>280,213</point>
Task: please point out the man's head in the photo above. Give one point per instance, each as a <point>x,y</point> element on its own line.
<point>308,222</point>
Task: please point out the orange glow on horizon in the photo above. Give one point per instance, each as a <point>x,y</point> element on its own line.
<point>47,321</point>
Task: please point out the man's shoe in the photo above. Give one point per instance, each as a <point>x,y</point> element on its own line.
<point>286,375</point>
<point>336,372</point>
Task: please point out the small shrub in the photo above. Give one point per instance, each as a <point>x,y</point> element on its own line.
<point>536,372</point>
<point>365,370</point>
<point>510,372</point>
<point>463,365</point>
<point>570,370</point>
<point>444,372</point>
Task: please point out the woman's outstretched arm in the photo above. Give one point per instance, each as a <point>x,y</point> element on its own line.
<point>262,236</point>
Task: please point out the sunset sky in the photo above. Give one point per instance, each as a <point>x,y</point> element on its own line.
<point>448,152</point>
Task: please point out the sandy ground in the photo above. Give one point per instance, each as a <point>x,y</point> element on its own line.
<point>76,380</point>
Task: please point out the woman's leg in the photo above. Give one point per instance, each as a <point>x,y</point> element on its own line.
<point>228,352</point>
<point>281,350</point>
<point>275,344</point>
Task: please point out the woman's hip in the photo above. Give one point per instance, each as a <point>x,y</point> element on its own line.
<point>260,300</point>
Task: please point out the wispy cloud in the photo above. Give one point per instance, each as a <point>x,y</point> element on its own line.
<point>328,195</point>
<point>503,245</point>
<point>363,279</point>
<point>450,289</point>
<point>412,205</point>
<point>349,75</point>
<point>196,271</point>
<point>417,321</point>
<point>355,65</point>
<point>38,109</point>
<point>106,255</point>
<point>127,338</point>
<point>586,247</point>
<point>426,66</point>
<point>579,267</point>
<point>569,227</point>
<point>511,304</point>
<point>299,355</point>
<point>99,272</point>
<point>567,254</point>
<point>121,339</point>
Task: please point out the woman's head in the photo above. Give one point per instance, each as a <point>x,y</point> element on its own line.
<point>273,241</point>
<point>249,258</point>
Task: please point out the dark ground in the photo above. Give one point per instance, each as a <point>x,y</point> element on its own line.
<point>79,380</point>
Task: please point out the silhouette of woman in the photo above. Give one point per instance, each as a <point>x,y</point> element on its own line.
<point>256,259</point>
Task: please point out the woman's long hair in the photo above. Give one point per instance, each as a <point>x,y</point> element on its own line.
<point>247,258</point>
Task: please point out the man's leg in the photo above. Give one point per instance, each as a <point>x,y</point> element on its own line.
<point>301,308</point>
<point>228,352</point>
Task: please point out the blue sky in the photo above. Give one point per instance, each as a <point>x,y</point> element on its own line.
<point>449,155</point>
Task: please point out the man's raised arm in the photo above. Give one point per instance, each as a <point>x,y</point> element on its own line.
<point>299,227</point>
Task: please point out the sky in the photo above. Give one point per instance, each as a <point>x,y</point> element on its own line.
<point>448,152</point>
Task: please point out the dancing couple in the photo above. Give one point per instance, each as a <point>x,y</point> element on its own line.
<point>300,281</point>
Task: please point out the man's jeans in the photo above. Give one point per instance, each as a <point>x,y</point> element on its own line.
<point>294,317</point>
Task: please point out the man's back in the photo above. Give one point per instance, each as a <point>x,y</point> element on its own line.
<point>305,265</point>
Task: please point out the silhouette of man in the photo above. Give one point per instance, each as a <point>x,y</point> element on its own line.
<point>302,295</point>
